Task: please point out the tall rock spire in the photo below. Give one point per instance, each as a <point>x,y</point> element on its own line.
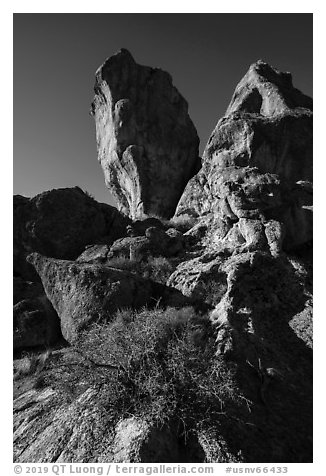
<point>147,144</point>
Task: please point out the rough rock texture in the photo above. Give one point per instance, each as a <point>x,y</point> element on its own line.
<point>257,164</point>
<point>155,242</point>
<point>263,323</point>
<point>94,254</point>
<point>147,144</point>
<point>136,441</point>
<point>199,277</point>
<point>48,428</point>
<point>60,223</point>
<point>255,322</point>
<point>82,293</point>
<point>35,321</point>
<point>251,330</point>
<point>51,425</point>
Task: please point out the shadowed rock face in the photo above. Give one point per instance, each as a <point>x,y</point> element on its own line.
<point>82,293</point>
<point>60,223</point>
<point>252,202</point>
<point>147,144</point>
<point>257,163</point>
<point>35,321</point>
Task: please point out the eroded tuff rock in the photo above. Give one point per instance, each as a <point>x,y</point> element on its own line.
<point>147,144</point>
<point>257,164</point>
<point>60,223</point>
<point>82,293</point>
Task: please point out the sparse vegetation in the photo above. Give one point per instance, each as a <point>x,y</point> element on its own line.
<point>157,364</point>
<point>30,364</point>
<point>183,223</point>
<point>158,269</point>
<point>212,291</point>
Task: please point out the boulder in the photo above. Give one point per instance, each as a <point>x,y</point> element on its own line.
<point>82,293</point>
<point>60,223</point>
<point>147,144</point>
<point>156,242</point>
<point>200,278</point>
<point>35,322</point>
<point>257,160</point>
<point>94,254</point>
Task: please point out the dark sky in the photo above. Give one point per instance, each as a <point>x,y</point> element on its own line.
<point>56,56</point>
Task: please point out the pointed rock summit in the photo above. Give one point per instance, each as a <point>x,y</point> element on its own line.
<point>257,165</point>
<point>147,144</point>
<point>265,90</point>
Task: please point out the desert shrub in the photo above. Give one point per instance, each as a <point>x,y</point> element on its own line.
<point>158,269</point>
<point>212,291</point>
<point>183,223</point>
<point>123,262</point>
<point>157,364</point>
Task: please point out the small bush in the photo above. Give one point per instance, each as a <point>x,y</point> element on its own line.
<point>212,291</point>
<point>156,364</point>
<point>123,262</point>
<point>157,269</point>
<point>183,223</point>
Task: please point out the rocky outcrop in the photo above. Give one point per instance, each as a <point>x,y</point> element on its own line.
<point>226,379</point>
<point>53,425</point>
<point>83,293</point>
<point>35,321</point>
<point>263,328</point>
<point>156,242</point>
<point>260,345</point>
<point>60,223</point>
<point>257,164</point>
<point>147,145</point>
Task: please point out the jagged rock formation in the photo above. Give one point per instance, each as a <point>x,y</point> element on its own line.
<point>60,223</point>
<point>257,164</point>
<point>147,145</point>
<point>228,379</point>
<point>83,293</point>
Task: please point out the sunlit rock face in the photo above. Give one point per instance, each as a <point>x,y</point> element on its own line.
<point>257,164</point>
<point>147,144</point>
